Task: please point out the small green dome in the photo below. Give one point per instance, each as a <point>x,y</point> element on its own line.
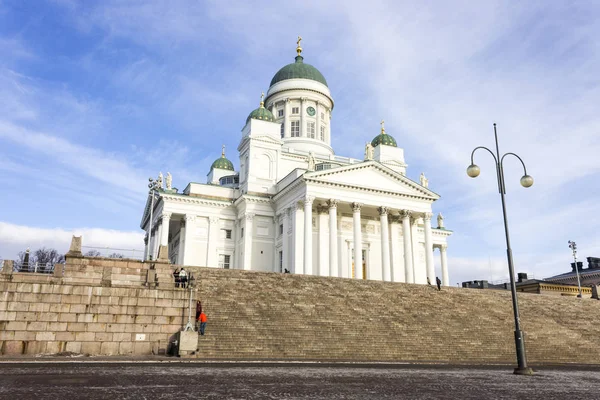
<point>298,70</point>
<point>222,163</point>
<point>261,113</point>
<point>383,138</point>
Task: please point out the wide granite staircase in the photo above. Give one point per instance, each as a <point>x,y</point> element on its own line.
<point>269,316</point>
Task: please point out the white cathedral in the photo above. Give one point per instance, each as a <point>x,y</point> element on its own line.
<point>296,206</point>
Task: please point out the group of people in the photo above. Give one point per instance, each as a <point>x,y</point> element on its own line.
<point>181,277</point>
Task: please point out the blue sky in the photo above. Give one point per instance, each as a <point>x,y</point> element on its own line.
<point>97,96</point>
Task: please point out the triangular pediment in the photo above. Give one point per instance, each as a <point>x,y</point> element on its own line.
<point>371,176</point>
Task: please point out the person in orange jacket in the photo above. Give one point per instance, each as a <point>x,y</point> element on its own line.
<point>202,320</point>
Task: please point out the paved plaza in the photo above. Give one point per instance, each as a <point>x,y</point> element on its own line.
<point>117,381</point>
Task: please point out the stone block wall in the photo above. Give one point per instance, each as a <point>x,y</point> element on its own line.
<point>109,307</point>
<point>92,306</point>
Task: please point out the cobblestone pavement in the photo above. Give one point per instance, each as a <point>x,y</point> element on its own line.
<point>117,381</point>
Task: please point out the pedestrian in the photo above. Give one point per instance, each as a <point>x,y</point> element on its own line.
<point>428,281</point>
<point>183,277</point>
<point>198,309</point>
<point>202,323</point>
<point>439,283</point>
<point>176,277</point>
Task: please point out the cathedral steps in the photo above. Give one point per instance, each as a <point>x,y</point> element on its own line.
<point>253,315</point>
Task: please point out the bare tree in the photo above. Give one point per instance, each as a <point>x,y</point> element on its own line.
<point>44,257</point>
<point>93,253</point>
<point>116,255</point>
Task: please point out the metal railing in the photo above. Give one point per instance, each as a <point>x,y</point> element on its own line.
<point>35,267</point>
<point>110,252</point>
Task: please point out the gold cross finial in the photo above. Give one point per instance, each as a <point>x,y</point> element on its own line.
<point>223,151</point>
<point>299,49</point>
<point>382,127</point>
<point>262,99</point>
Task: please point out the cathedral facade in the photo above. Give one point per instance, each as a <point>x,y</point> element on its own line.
<point>295,206</point>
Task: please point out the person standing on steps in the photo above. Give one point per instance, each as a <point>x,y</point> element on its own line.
<point>202,323</point>
<point>176,277</point>
<point>438,282</point>
<point>183,277</point>
<point>198,312</point>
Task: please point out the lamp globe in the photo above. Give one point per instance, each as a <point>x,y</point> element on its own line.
<point>473,171</point>
<point>526,181</point>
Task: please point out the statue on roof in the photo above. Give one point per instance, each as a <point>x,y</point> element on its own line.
<point>369,151</point>
<point>169,181</point>
<point>311,161</point>
<point>159,181</point>
<point>424,181</point>
<point>440,221</point>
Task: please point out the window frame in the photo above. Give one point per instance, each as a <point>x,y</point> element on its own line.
<point>311,130</point>
<point>295,128</point>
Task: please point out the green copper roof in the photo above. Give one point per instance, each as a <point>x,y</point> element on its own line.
<point>384,138</point>
<point>222,163</point>
<point>298,70</point>
<point>261,113</point>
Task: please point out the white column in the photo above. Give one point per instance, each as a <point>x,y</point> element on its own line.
<point>308,233</point>
<point>247,264</point>
<point>303,130</point>
<point>358,272</point>
<point>286,116</point>
<point>190,225</point>
<point>323,242</point>
<point>181,249</point>
<point>164,237</point>
<point>318,130</point>
<point>445,278</point>
<point>328,128</point>
<point>349,266</point>
<point>285,240</point>
<point>333,240</point>
<point>385,244</point>
<point>407,240</point>
<point>298,231</point>
<point>398,274</point>
<point>157,238</point>
<point>213,240</point>
<point>429,247</point>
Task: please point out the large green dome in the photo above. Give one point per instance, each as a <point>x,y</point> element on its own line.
<point>383,138</point>
<point>298,70</point>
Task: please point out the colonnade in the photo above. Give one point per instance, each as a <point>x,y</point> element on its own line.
<point>302,228</point>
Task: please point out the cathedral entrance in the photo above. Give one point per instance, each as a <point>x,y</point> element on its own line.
<point>364,265</point>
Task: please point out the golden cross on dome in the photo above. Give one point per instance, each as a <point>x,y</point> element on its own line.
<point>382,126</point>
<point>223,151</point>
<point>299,49</point>
<point>262,99</point>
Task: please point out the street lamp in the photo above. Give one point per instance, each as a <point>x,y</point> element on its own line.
<point>573,246</point>
<point>526,181</point>
<point>191,283</point>
<point>154,185</point>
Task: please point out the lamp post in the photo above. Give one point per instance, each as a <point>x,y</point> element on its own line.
<point>190,326</point>
<point>526,181</point>
<point>154,185</point>
<point>573,246</point>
